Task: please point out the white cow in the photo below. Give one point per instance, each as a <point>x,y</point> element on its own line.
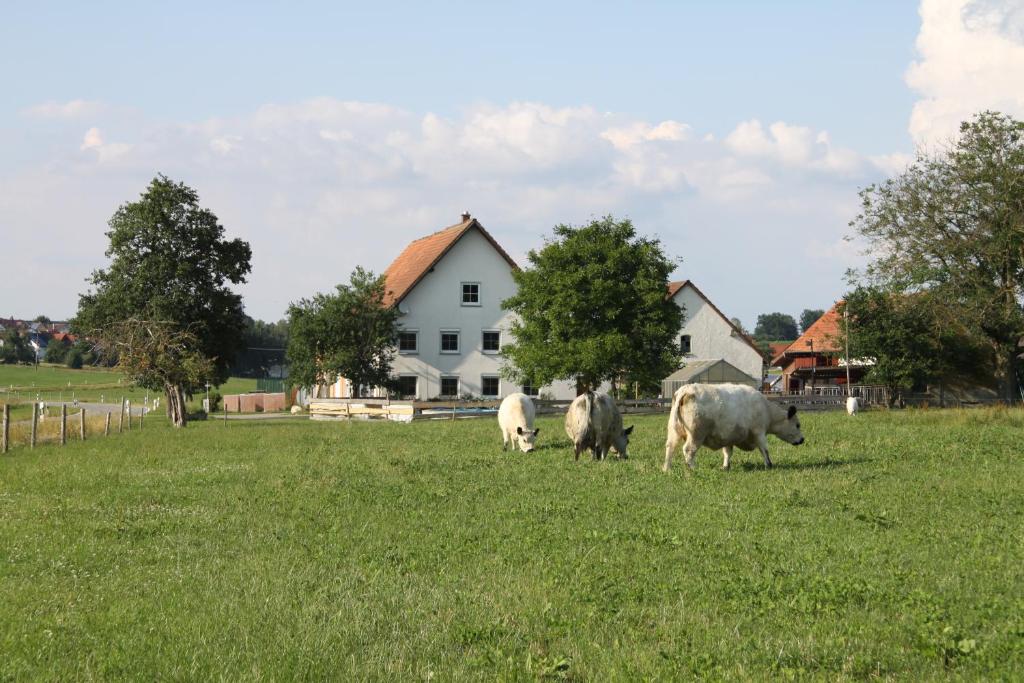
<point>594,422</point>
<point>852,405</point>
<point>727,415</point>
<point>515,418</point>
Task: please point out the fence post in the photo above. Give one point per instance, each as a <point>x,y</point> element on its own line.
<point>106,426</point>
<point>35,420</point>
<point>128,409</point>
<point>225,413</point>
<point>142,415</point>
<point>81,424</point>
<point>5,435</point>
<point>120,418</point>
<point>63,423</point>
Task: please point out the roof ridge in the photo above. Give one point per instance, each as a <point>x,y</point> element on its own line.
<point>463,224</point>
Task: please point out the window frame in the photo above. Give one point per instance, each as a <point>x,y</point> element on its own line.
<point>686,344</point>
<point>462,294</point>
<point>483,345</point>
<point>458,386</point>
<point>497,391</point>
<point>458,340</point>
<point>416,379</point>
<point>416,335</point>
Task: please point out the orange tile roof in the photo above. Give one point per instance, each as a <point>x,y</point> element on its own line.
<point>673,289</point>
<point>420,256</point>
<point>824,333</point>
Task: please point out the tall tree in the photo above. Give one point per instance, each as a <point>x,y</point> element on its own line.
<point>809,317</point>
<point>350,334</point>
<point>15,348</point>
<point>775,327</point>
<point>592,307</point>
<point>170,263</point>
<point>911,345</point>
<point>953,224</point>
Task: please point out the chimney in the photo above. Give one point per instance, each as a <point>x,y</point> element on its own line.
<point>466,216</point>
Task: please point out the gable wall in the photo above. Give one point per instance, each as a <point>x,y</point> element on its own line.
<point>712,337</point>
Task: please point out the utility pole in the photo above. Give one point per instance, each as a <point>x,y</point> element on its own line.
<point>846,319</point>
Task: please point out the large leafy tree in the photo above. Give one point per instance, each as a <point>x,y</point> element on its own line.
<point>809,316</point>
<point>350,333</point>
<point>15,348</point>
<point>592,307</point>
<point>952,224</point>
<point>775,327</point>
<point>170,263</point>
<point>910,342</point>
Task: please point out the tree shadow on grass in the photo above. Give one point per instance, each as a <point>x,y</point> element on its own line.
<point>826,464</point>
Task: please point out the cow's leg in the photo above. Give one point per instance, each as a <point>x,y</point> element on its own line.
<point>577,448</point>
<point>504,440</point>
<point>690,451</point>
<point>671,443</point>
<point>762,445</point>
<point>726,455</point>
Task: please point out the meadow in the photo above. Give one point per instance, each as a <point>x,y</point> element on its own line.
<point>889,546</point>
<point>21,384</point>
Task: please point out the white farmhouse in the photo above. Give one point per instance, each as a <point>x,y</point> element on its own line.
<point>708,335</point>
<point>449,287</point>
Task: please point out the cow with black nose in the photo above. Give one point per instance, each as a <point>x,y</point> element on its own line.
<point>726,416</point>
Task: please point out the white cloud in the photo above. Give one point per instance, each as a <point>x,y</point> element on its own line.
<point>322,185</point>
<point>105,152</point>
<point>970,58</point>
<point>65,110</point>
<point>793,146</point>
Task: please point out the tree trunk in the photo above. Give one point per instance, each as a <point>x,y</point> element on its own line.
<point>176,405</point>
<point>1006,372</point>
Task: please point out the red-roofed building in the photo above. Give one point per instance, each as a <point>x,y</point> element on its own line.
<point>816,359</point>
<point>449,287</point>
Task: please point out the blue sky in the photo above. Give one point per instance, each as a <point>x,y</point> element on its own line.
<point>329,134</point>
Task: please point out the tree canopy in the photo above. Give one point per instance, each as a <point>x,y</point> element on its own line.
<point>775,327</point>
<point>808,317</point>
<point>592,307</point>
<point>952,225</point>
<point>170,264</point>
<point>350,333</point>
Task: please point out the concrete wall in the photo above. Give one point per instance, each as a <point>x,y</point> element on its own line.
<point>712,337</point>
<point>254,403</point>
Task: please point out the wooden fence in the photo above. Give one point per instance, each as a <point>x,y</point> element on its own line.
<point>36,430</point>
<point>410,411</point>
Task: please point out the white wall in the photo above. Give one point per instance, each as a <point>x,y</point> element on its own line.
<point>435,304</point>
<point>712,337</point>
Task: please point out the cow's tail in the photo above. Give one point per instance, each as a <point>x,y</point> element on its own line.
<point>675,421</point>
<point>587,433</point>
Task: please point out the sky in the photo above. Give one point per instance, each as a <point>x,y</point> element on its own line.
<point>330,134</point>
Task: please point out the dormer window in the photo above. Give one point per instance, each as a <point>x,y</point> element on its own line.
<point>684,344</point>
<point>470,293</point>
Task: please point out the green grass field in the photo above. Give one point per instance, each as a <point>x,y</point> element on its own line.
<point>889,546</point>
<point>20,384</point>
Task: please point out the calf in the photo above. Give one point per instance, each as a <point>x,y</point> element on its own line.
<point>724,416</point>
<point>515,419</point>
<point>594,422</point>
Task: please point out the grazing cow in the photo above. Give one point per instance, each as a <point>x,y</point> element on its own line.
<point>594,422</point>
<point>515,418</point>
<point>852,405</point>
<point>727,415</point>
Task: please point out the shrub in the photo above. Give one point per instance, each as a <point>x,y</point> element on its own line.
<point>73,359</point>
<point>55,352</point>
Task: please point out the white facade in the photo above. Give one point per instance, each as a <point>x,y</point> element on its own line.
<point>435,306</point>
<point>711,336</point>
